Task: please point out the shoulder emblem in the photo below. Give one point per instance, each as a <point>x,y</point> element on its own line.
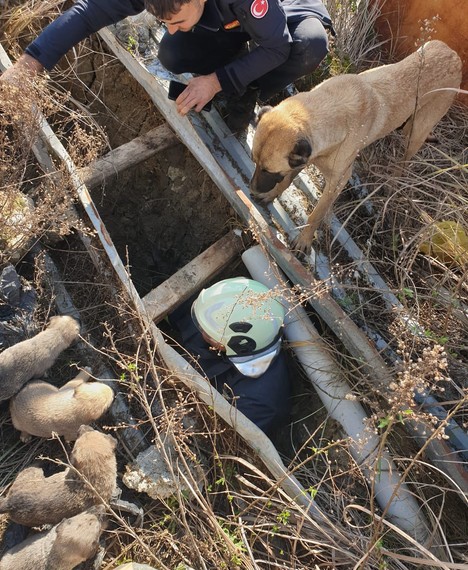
<point>259,8</point>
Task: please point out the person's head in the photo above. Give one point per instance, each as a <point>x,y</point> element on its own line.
<point>177,15</point>
<point>241,317</point>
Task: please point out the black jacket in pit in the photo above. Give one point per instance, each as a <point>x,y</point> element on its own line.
<point>264,400</point>
<point>265,21</point>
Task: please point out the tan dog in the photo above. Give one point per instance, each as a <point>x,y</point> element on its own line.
<point>63,547</point>
<point>34,500</point>
<point>40,408</point>
<point>329,125</point>
<point>32,358</point>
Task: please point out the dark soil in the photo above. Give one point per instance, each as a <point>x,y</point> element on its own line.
<point>164,212</point>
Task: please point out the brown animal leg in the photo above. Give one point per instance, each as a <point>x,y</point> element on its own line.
<point>333,187</point>
<point>418,129</point>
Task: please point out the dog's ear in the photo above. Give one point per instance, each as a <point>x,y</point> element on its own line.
<point>262,112</point>
<point>300,153</point>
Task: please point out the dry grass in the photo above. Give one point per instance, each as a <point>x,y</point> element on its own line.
<point>22,21</point>
<point>36,202</point>
<point>405,209</point>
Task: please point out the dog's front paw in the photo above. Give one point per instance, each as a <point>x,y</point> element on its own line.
<point>263,199</point>
<point>303,242</point>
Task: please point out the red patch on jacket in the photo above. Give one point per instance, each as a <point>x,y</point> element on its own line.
<point>232,25</point>
<point>259,8</point>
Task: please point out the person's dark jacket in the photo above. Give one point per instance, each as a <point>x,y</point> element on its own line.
<point>264,400</point>
<point>269,32</point>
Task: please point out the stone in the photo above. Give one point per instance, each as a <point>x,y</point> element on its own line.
<point>150,474</point>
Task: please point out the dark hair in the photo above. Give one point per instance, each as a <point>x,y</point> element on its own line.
<point>163,9</point>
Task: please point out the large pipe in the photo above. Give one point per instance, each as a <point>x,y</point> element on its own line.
<point>392,495</point>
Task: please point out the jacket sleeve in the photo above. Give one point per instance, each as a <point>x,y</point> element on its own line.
<point>272,39</point>
<point>77,23</point>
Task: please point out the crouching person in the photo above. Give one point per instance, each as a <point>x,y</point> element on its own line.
<point>233,331</point>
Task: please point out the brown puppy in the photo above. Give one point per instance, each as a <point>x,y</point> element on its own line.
<point>34,500</point>
<point>329,125</point>
<point>40,408</point>
<point>31,358</point>
<point>63,547</point>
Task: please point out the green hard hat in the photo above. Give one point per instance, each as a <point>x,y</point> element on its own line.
<point>241,314</point>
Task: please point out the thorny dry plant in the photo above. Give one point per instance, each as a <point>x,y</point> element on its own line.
<point>35,201</point>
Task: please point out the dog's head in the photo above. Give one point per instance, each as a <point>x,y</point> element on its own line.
<point>280,145</point>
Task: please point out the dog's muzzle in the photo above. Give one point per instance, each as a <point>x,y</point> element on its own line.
<point>264,181</point>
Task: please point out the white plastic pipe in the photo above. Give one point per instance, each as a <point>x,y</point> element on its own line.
<point>392,495</point>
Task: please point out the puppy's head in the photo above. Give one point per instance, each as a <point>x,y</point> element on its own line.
<point>67,325</point>
<point>92,448</point>
<point>77,539</point>
<point>280,144</point>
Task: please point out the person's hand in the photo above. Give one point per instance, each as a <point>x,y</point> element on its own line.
<point>198,92</point>
<point>17,82</point>
<point>26,66</point>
